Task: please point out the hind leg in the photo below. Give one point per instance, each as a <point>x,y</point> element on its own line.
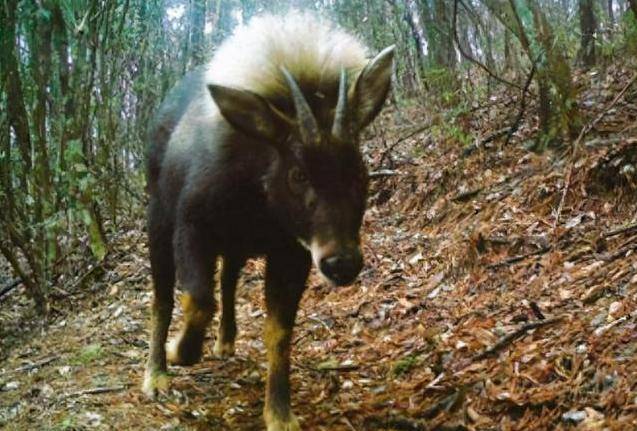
<point>163,275</point>
<point>196,273</point>
<point>224,344</point>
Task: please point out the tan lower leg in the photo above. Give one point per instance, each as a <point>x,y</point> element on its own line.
<point>277,413</point>
<point>224,344</point>
<point>186,349</point>
<point>155,377</point>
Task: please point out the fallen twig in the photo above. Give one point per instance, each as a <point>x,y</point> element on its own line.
<point>348,424</point>
<point>200,371</point>
<point>465,196</point>
<point>600,331</point>
<point>622,250</point>
<point>383,173</point>
<point>519,258</point>
<point>81,279</point>
<point>518,119</point>
<point>507,339</point>
<point>435,381</point>
<point>95,391</point>
<point>9,287</point>
<point>33,365</point>
<point>338,367</point>
<point>394,422</point>
<point>536,310</point>
<point>388,150</point>
<point>567,185</point>
<point>619,230</point>
<point>585,130</point>
<point>479,143</point>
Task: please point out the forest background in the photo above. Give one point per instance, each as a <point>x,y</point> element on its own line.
<point>500,282</point>
<point>82,78</point>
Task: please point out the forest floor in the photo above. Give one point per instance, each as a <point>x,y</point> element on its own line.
<point>500,292</point>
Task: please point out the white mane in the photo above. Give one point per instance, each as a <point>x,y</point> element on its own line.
<point>312,49</point>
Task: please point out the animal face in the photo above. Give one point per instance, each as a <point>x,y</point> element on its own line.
<point>338,179</point>
<point>320,195</point>
<point>317,184</point>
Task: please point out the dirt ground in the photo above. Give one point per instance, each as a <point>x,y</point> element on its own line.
<point>499,292</point>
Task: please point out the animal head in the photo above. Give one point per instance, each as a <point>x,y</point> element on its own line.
<point>317,184</point>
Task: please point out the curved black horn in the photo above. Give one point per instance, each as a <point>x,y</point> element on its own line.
<point>339,128</point>
<point>307,123</point>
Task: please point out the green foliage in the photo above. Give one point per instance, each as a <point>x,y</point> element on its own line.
<point>630,29</point>
<point>452,132</point>
<point>67,423</point>
<point>448,127</point>
<point>85,77</point>
<point>405,365</point>
<point>607,49</point>
<point>90,353</point>
<point>442,83</point>
<point>83,186</point>
<point>528,26</point>
<point>623,43</point>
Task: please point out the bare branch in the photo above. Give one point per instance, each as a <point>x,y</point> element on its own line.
<point>470,58</point>
<point>516,124</point>
<point>507,339</point>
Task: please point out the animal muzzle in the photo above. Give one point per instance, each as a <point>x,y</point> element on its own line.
<point>339,262</point>
<point>341,268</point>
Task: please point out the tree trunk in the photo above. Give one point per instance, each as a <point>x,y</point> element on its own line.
<point>61,47</point>
<point>197,26</point>
<point>6,171</point>
<point>45,245</point>
<point>18,117</point>
<point>563,116</point>
<point>508,51</point>
<point>41,70</point>
<point>417,31</point>
<point>444,52</point>
<point>463,32</point>
<point>588,27</point>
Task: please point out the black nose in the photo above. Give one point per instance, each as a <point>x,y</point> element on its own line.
<point>341,268</point>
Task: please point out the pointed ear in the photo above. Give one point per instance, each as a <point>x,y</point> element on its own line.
<point>372,85</point>
<point>249,113</point>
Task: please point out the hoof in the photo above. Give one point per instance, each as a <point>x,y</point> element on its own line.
<point>179,354</point>
<point>154,383</point>
<point>278,424</point>
<point>223,350</point>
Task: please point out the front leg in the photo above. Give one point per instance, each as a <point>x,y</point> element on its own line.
<point>285,282</point>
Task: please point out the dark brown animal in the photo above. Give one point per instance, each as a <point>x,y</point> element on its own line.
<point>259,155</point>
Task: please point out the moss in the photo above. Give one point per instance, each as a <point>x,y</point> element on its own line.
<point>404,365</point>
<point>67,423</point>
<point>90,353</point>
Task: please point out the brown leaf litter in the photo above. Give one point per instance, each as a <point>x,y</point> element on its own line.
<point>500,292</point>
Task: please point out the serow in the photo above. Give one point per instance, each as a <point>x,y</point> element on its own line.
<point>257,154</point>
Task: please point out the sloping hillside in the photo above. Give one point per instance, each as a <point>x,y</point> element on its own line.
<point>500,292</point>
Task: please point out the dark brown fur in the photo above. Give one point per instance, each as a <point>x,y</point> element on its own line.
<point>216,191</point>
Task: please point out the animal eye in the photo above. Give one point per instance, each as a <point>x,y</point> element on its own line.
<point>297,176</point>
